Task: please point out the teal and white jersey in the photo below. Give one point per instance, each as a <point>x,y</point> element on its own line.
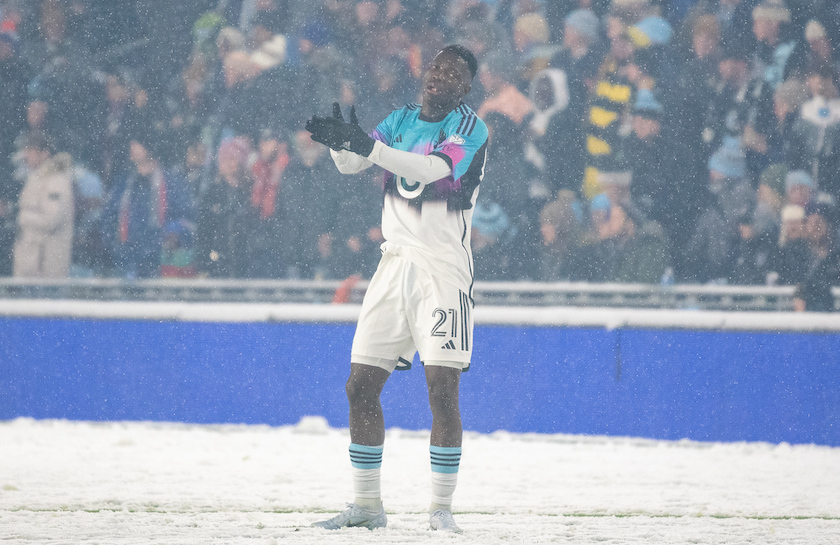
<point>431,225</point>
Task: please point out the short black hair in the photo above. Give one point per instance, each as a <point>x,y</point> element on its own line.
<point>464,53</point>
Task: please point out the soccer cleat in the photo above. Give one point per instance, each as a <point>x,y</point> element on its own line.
<point>442,521</point>
<point>355,516</point>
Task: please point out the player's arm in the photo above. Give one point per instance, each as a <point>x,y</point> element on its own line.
<point>354,150</point>
<point>348,162</point>
<point>412,166</point>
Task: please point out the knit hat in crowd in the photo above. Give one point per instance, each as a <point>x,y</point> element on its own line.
<point>600,202</point>
<point>650,31</point>
<point>730,160</point>
<point>799,177</point>
<point>814,30</point>
<point>646,105</point>
<point>585,22</point>
<point>490,219</point>
<point>772,10</point>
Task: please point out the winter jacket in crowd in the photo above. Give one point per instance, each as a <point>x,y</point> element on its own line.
<point>133,221</point>
<point>44,242</point>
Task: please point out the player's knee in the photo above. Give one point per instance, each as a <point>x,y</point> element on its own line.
<point>359,391</point>
<point>443,398</point>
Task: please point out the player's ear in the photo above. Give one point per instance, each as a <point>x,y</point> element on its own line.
<point>467,87</point>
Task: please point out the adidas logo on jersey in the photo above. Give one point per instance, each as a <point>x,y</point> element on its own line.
<point>448,346</point>
<point>398,139</point>
<point>455,139</point>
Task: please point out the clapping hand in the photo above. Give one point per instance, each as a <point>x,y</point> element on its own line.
<point>337,134</point>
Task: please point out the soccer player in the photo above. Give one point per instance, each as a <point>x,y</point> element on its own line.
<point>420,298</point>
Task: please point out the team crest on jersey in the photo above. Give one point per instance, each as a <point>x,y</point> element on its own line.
<point>409,189</point>
<point>455,139</point>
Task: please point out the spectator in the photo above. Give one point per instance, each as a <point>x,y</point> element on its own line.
<point>659,189</point>
<point>354,231</point>
<point>90,257</point>
<point>814,141</point>
<point>144,200</point>
<point>608,108</point>
<point>177,258</point>
<point>693,90</point>
<point>644,257</point>
<point>224,214</point>
<point>531,43</point>
<point>491,238</point>
<point>822,50</point>
<point>265,259</point>
<point>727,111</point>
<point>755,253</point>
<point>609,232</point>
<point>554,127</point>
<point>310,181</point>
<point>711,246</point>
<point>560,230</point>
<point>15,75</point>
<point>581,55</point>
<point>769,148</point>
<point>507,179</point>
<point>769,200</point>
<point>794,257</point>
<point>800,189</point>
<point>44,241</point>
<point>776,58</point>
<point>814,293</point>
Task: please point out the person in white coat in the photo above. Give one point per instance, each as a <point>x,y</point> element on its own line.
<point>44,240</point>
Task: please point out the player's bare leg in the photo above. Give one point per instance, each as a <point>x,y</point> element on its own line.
<point>443,384</point>
<point>367,425</point>
<point>367,435</point>
<point>445,447</point>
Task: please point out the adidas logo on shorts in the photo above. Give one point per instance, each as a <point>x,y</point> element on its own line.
<point>449,346</point>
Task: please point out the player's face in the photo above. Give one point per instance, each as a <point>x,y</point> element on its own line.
<point>447,80</point>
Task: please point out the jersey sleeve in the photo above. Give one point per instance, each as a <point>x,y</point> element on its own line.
<point>384,132</point>
<point>464,141</point>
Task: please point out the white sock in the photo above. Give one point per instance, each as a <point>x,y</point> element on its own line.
<point>443,487</point>
<point>366,487</point>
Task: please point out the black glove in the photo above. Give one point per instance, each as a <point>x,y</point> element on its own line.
<point>326,132</point>
<point>337,134</point>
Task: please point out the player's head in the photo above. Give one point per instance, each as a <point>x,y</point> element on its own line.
<point>466,55</point>
<point>450,75</point>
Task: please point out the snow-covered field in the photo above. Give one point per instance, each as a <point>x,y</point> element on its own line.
<point>130,482</point>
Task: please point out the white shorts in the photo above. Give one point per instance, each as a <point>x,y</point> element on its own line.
<point>408,310</point>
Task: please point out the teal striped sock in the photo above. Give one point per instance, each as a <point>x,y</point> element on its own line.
<point>445,459</point>
<point>365,457</point>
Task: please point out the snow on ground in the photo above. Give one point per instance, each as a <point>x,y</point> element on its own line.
<point>141,482</point>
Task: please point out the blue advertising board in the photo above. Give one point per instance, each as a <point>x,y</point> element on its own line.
<point>662,383</point>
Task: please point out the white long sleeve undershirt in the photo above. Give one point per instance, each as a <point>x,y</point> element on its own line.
<point>411,166</point>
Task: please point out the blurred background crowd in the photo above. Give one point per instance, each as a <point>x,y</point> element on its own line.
<point>630,140</point>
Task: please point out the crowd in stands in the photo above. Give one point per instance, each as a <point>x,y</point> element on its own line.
<point>630,140</point>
